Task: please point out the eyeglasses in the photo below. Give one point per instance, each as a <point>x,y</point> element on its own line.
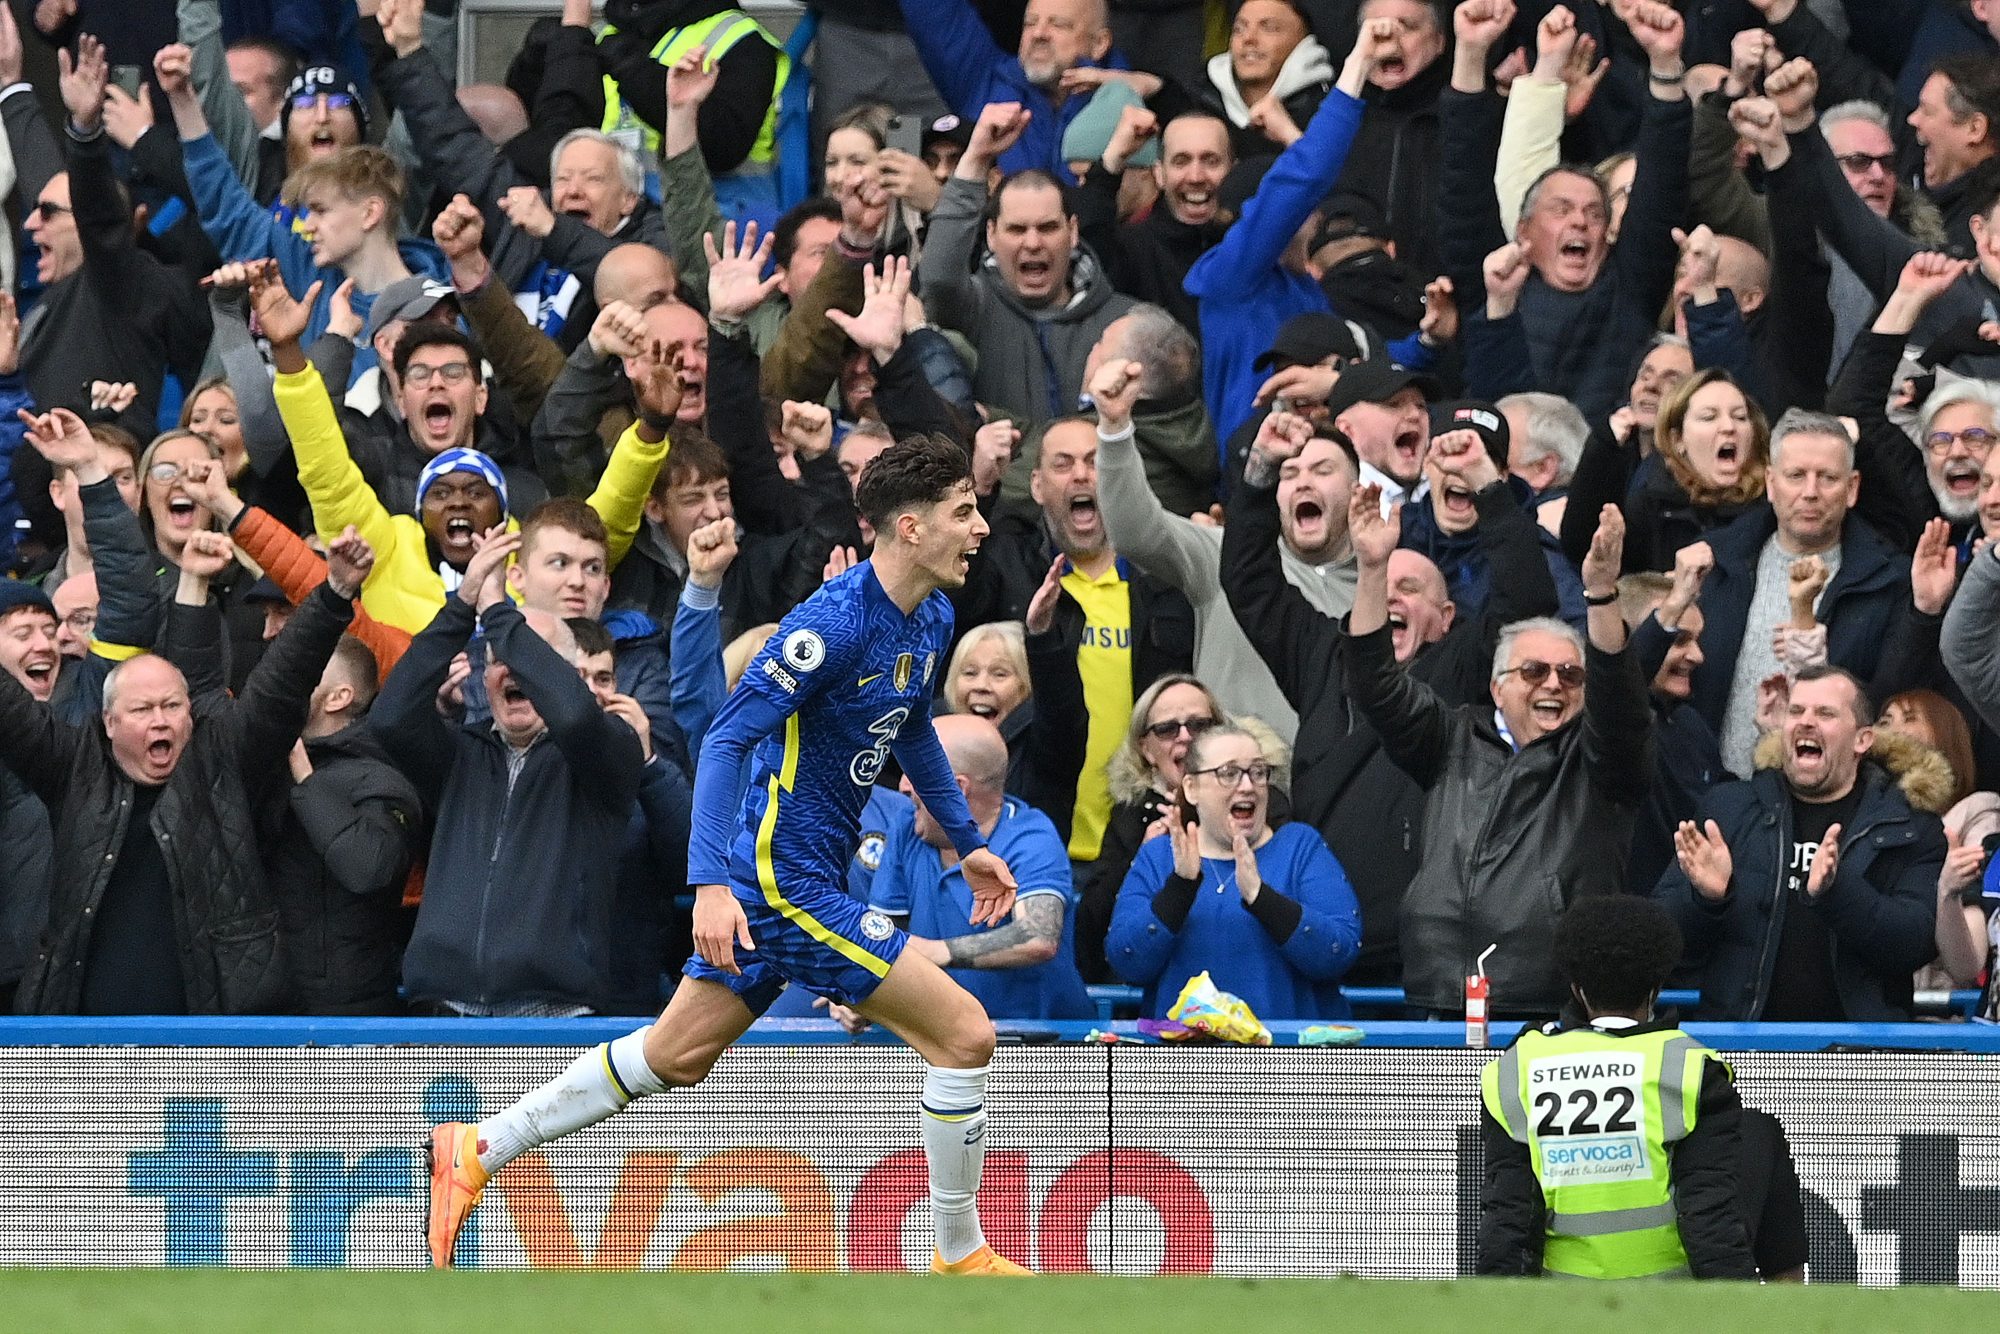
<point>452,373</point>
<point>163,473</point>
<point>1858,163</point>
<point>334,101</point>
<point>1169,728</point>
<point>1976,439</point>
<point>52,210</point>
<point>1568,675</point>
<point>1229,775</point>
<point>83,620</point>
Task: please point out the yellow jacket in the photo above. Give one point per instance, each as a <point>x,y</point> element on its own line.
<point>404,589</point>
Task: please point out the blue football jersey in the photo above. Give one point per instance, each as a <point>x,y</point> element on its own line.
<point>852,670</point>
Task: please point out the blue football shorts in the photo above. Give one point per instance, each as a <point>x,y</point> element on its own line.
<point>814,936</point>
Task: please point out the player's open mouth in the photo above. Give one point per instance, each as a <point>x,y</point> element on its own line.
<point>160,751</point>
<point>1392,68</point>
<point>41,674</point>
<point>1457,501</point>
<point>324,141</point>
<point>1243,814</point>
<point>181,511</point>
<point>1409,446</point>
<point>1547,712</point>
<point>1308,515</point>
<point>511,694</point>
<point>1961,477</point>
<point>1808,749</point>
<point>457,531</point>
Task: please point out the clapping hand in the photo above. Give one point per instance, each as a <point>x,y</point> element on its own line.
<point>483,582</point>
<point>1704,858</point>
<point>1041,615</point>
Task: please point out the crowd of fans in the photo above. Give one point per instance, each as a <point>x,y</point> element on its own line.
<point>1442,462</point>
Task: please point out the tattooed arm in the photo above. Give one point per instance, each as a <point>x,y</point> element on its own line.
<point>1032,935</point>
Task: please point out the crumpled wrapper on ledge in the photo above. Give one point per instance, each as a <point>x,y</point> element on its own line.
<point>1204,1008</point>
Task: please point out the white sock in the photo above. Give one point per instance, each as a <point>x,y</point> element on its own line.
<point>954,1122</point>
<point>597,1084</point>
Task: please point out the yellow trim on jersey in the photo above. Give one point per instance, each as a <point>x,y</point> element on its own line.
<point>115,652</point>
<point>767,871</point>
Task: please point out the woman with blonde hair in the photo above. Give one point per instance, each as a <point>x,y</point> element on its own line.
<point>1712,446</point>
<point>1260,905</point>
<point>1026,685</point>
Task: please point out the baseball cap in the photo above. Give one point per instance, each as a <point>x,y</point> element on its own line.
<point>409,298</point>
<point>463,460</point>
<point>1349,214</point>
<point>1482,418</point>
<point>266,590</point>
<point>331,81</point>
<point>1376,380</point>
<point>947,129</point>
<point>1305,340</point>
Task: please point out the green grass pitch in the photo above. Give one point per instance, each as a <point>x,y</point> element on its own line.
<point>217,1302</point>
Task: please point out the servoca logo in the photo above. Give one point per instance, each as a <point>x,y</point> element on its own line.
<point>1573,1161</point>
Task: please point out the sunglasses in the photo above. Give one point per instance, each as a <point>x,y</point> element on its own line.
<point>1229,775</point>
<point>1169,728</point>
<point>1861,162</point>
<point>1568,675</point>
<point>51,210</point>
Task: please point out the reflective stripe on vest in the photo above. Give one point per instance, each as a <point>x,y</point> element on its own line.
<point>1598,1114</point>
<point>718,32</point>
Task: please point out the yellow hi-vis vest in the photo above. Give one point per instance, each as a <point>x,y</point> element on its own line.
<point>718,32</point>
<point>1598,1113</point>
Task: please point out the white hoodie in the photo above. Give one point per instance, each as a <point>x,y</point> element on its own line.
<point>1308,64</point>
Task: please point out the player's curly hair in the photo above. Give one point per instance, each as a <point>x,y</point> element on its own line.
<point>1617,949</point>
<point>916,471</point>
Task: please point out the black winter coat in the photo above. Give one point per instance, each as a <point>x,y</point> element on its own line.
<point>1880,908</point>
<point>349,836</point>
<point>517,904</point>
<point>1511,839</point>
<point>204,822</point>
<point>1343,782</point>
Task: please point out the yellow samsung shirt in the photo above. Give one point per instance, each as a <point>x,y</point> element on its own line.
<point>1104,662</point>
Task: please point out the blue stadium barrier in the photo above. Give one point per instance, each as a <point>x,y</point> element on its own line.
<point>175,1031</point>
<point>1122,1002</point>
